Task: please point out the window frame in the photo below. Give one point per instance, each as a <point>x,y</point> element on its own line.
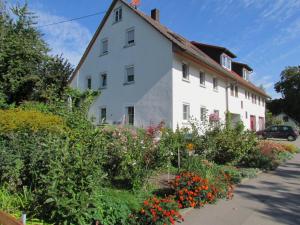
<point>186,115</point>
<point>102,47</point>
<point>129,43</point>
<point>101,80</point>
<point>128,120</point>
<point>89,83</point>
<point>226,61</point>
<point>202,78</point>
<point>118,15</point>
<point>101,121</point>
<point>187,78</point>
<point>203,117</point>
<point>127,76</point>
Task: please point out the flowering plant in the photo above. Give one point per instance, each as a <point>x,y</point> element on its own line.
<point>193,191</point>
<point>214,117</point>
<point>157,211</point>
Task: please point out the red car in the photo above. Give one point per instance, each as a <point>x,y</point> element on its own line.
<point>279,131</point>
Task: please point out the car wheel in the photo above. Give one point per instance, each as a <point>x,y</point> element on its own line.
<point>291,138</point>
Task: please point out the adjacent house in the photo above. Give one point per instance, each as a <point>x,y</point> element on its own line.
<point>147,74</point>
<point>287,120</point>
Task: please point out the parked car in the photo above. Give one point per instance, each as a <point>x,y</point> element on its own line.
<point>279,131</point>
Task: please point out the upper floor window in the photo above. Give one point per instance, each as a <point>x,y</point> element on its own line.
<point>202,78</point>
<point>186,111</point>
<point>246,74</point>
<point>232,89</point>
<point>130,37</point>
<point>104,47</point>
<point>89,83</point>
<point>129,74</point>
<point>185,71</point>
<point>226,61</point>
<point>118,14</point>
<point>215,83</point>
<point>236,91</point>
<point>103,81</point>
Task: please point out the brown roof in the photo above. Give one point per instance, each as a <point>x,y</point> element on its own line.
<point>182,43</point>
<point>223,49</point>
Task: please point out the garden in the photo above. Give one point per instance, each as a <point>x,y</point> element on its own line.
<point>59,168</point>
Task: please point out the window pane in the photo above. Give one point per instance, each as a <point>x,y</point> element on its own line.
<point>185,73</point>
<point>104,46</point>
<point>202,78</point>
<point>103,80</point>
<point>130,115</point>
<point>130,36</point>
<point>103,115</point>
<point>130,74</point>
<point>203,114</point>
<point>186,112</point>
<point>215,83</point>
<point>89,83</point>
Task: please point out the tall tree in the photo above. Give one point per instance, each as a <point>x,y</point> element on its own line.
<point>27,71</point>
<point>289,87</point>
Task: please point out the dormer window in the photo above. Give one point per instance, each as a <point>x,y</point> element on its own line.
<point>226,61</point>
<point>118,14</point>
<point>246,74</point>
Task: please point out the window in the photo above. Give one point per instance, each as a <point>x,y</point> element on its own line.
<point>255,97</point>
<point>217,113</point>
<point>236,91</point>
<point>89,83</point>
<point>104,47</point>
<point>130,115</point>
<point>185,71</point>
<point>103,81</point>
<point>258,100</point>
<point>252,96</point>
<point>226,61</point>
<point>246,115</point>
<point>129,74</point>
<point>186,112</point>
<point>215,84</point>
<point>118,14</point>
<point>202,78</point>
<point>130,37</point>
<point>246,74</point>
<point>102,115</point>
<point>203,114</point>
<point>232,89</point>
<point>242,104</point>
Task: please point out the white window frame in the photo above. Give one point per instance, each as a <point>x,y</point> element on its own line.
<point>127,114</point>
<point>246,74</point>
<point>118,15</point>
<point>226,61</point>
<point>101,80</point>
<point>203,117</point>
<point>89,83</point>
<point>187,78</point>
<point>101,121</point>
<point>127,44</point>
<point>126,74</point>
<point>103,50</point>
<point>186,115</point>
<point>202,73</point>
<point>215,83</point>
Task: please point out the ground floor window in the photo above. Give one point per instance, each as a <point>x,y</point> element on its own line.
<point>130,115</point>
<point>186,111</point>
<point>102,115</point>
<point>203,114</point>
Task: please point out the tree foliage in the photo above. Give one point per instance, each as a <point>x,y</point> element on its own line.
<point>27,71</point>
<point>289,87</point>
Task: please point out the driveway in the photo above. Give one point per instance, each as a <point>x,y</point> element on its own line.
<point>270,199</point>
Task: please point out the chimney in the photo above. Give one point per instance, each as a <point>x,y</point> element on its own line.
<point>155,14</point>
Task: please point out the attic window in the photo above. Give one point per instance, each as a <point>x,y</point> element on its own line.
<point>246,74</point>
<point>118,14</point>
<point>226,61</point>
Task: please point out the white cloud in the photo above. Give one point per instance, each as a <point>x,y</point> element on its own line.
<point>69,39</point>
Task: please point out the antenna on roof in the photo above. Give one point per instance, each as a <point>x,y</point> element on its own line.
<point>135,3</point>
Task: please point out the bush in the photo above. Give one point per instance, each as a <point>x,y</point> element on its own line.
<point>290,148</point>
<point>157,211</point>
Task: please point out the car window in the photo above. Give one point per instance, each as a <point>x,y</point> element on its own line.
<point>285,128</point>
<point>274,129</point>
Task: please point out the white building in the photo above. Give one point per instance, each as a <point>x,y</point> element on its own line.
<point>147,74</point>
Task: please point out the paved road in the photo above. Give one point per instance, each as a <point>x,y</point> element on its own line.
<point>270,199</point>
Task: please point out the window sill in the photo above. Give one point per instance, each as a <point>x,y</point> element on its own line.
<point>129,45</point>
<point>115,22</point>
<point>128,83</point>
<point>103,88</point>
<point>186,80</point>
<point>202,85</point>
<point>103,54</point>
<point>216,90</point>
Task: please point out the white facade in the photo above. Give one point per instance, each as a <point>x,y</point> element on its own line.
<point>159,91</point>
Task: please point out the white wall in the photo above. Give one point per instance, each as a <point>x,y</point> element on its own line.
<point>194,94</point>
<point>152,57</point>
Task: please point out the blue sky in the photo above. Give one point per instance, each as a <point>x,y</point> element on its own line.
<point>263,33</point>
